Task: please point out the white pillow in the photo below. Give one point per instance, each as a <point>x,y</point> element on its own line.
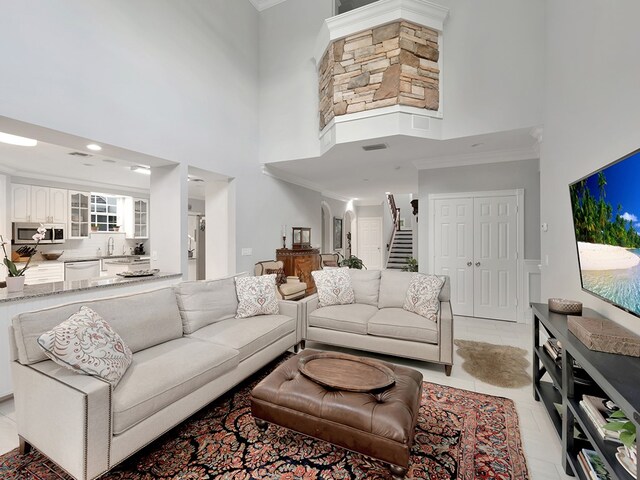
<point>256,296</point>
<point>422,296</point>
<point>334,287</point>
<point>86,344</point>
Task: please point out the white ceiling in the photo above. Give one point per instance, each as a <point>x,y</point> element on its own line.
<point>350,172</point>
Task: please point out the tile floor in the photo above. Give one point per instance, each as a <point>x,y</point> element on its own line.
<point>542,446</point>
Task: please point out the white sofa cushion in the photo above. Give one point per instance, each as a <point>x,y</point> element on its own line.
<point>393,288</point>
<point>165,373</point>
<point>86,344</point>
<point>334,286</point>
<point>366,285</point>
<point>422,296</point>
<point>403,325</point>
<point>204,302</point>
<point>248,335</point>
<point>345,318</point>
<point>141,319</point>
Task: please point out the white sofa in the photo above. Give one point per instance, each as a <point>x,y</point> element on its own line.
<point>188,349</point>
<point>376,322</point>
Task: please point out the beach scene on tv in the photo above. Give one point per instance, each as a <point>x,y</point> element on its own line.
<point>606,215</point>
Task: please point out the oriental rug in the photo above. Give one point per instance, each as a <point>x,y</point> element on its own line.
<point>460,435</point>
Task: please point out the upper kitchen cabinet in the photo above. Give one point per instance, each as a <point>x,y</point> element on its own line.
<point>20,203</point>
<point>32,203</point>
<point>78,214</point>
<point>136,217</point>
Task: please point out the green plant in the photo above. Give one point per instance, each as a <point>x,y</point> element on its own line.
<point>353,262</point>
<point>618,422</point>
<point>12,269</point>
<point>411,265</point>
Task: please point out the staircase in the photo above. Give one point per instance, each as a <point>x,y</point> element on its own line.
<point>401,250</point>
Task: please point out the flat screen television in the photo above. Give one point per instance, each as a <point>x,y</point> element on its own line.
<point>606,221</point>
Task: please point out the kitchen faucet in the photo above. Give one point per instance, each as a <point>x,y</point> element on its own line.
<point>110,246</point>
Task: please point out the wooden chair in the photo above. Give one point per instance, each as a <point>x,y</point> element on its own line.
<point>293,289</point>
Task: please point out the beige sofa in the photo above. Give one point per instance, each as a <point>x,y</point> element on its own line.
<point>376,322</point>
<point>188,349</point>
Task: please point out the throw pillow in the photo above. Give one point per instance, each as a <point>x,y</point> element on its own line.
<point>86,344</point>
<point>281,278</point>
<point>256,296</point>
<point>422,296</point>
<point>334,287</point>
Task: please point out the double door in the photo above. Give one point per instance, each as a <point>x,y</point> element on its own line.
<point>476,244</point>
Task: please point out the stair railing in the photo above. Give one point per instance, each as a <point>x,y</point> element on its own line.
<point>395,217</point>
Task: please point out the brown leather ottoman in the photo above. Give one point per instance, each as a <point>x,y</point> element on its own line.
<point>379,425</point>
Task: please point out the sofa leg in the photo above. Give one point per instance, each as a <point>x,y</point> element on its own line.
<point>25,447</point>
<point>397,472</point>
<point>447,370</point>
<point>302,344</point>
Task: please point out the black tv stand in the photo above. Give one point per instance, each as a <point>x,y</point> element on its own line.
<point>614,376</point>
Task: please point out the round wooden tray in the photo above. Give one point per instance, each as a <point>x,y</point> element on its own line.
<point>346,372</point>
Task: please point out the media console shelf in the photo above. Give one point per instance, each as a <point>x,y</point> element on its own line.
<point>616,377</point>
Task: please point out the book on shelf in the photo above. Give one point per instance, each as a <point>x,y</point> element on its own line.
<point>553,348</point>
<point>597,414</point>
<point>592,461</point>
<point>584,465</point>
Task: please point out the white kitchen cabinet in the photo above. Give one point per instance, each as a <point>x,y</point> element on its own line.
<point>44,272</point>
<point>33,203</point>
<point>78,214</point>
<point>136,218</point>
<point>20,203</point>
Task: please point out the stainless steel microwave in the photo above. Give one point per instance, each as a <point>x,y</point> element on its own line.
<point>23,233</point>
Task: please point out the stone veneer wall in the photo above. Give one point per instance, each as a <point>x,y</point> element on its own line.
<point>395,64</point>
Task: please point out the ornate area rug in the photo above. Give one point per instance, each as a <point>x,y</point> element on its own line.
<point>499,365</point>
<point>460,435</point>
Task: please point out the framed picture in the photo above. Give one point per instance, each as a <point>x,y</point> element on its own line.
<point>337,233</point>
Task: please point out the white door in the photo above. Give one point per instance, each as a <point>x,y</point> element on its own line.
<point>20,203</point>
<point>495,257</point>
<point>453,250</point>
<point>58,205</point>
<point>39,204</point>
<point>370,242</point>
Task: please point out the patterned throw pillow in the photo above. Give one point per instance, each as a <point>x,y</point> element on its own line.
<point>281,278</point>
<point>86,344</point>
<point>256,296</point>
<point>334,287</point>
<point>422,296</point>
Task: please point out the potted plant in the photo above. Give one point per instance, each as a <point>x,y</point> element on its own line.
<point>618,422</point>
<point>15,275</point>
<point>353,262</point>
<point>94,227</point>
<point>411,265</point>
<point>115,228</point>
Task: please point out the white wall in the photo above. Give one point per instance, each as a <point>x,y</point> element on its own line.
<point>592,118</point>
<point>492,80</point>
<point>493,176</point>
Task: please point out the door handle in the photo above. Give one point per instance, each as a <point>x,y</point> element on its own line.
<point>469,264</point>
<point>477,264</point>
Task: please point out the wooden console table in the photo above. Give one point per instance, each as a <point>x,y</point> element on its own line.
<point>300,263</point>
<point>614,376</point>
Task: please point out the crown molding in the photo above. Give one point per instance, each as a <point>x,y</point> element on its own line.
<point>466,159</point>
<point>301,182</point>
<point>376,14</point>
<point>261,5</point>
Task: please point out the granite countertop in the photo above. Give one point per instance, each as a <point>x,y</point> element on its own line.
<point>55,288</point>
<point>69,259</point>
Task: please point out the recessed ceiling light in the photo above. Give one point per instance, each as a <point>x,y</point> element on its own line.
<point>476,145</point>
<point>95,147</point>
<point>108,160</point>
<point>141,169</point>
<point>17,140</point>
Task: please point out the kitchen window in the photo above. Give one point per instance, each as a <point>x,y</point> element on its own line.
<point>104,212</point>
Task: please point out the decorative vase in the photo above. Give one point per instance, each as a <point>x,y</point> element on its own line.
<point>15,284</point>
